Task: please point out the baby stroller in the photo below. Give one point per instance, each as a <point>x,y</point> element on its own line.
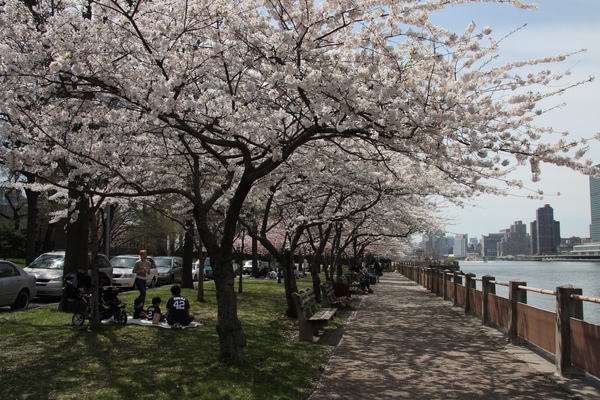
<point>77,288</point>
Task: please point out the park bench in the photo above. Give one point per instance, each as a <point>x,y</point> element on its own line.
<point>354,286</point>
<point>311,319</point>
<point>329,297</point>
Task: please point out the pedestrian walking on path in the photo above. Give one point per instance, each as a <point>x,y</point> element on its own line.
<point>406,343</point>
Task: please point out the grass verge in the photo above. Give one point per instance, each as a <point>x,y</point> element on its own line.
<point>45,357</point>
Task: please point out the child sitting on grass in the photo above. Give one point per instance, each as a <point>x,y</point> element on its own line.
<point>153,312</point>
<point>138,308</point>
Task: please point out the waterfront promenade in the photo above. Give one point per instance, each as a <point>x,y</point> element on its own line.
<point>406,343</point>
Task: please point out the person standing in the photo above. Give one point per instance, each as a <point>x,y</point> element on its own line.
<point>377,270</point>
<point>141,269</point>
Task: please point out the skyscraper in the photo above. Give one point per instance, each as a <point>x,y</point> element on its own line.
<point>595,208</point>
<point>460,245</point>
<point>515,241</point>
<point>545,232</point>
<point>489,244</point>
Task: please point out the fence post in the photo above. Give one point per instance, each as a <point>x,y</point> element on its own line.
<point>486,288</point>
<point>445,284</point>
<point>566,308</point>
<point>515,296</point>
<point>455,283</point>
<point>469,283</point>
<point>434,281</point>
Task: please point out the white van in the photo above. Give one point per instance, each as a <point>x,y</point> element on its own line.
<point>123,271</point>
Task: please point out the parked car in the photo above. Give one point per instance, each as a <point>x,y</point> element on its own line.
<point>123,271</point>
<point>170,269</point>
<point>208,273</point>
<point>16,286</point>
<point>48,270</point>
<point>247,268</point>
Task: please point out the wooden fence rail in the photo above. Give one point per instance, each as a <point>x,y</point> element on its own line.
<point>563,333</point>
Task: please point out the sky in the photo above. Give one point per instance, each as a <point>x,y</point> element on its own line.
<point>557,27</point>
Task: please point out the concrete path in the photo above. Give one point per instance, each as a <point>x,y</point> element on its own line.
<point>406,343</point>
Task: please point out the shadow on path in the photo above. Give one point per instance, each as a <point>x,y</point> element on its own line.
<point>407,343</point>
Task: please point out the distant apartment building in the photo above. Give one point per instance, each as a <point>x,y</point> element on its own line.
<point>595,209</point>
<point>436,246</point>
<point>489,245</point>
<point>568,244</point>
<point>460,245</point>
<point>515,241</point>
<point>545,232</point>
<point>587,249</point>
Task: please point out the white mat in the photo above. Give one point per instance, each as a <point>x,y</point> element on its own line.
<point>145,322</point>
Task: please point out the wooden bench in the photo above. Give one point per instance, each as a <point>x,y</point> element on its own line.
<point>354,286</point>
<point>329,297</point>
<point>311,318</point>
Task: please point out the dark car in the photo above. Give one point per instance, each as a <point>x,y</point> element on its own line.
<point>170,269</point>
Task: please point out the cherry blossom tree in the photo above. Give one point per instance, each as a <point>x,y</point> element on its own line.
<point>204,98</point>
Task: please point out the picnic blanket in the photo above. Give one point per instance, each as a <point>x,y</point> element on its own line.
<point>145,322</point>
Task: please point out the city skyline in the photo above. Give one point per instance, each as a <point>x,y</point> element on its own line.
<point>557,27</point>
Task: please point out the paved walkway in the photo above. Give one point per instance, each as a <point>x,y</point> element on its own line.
<point>406,343</point>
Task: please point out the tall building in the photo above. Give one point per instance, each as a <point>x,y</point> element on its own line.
<point>545,232</point>
<point>460,245</point>
<point>515,241</point>
<point>595,208</point>
<point>489,244</point>
<point>436,246</point>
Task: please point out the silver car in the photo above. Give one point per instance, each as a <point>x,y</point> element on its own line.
<point>48,270</point>
<point>170,269</point>
<point>16,286</point>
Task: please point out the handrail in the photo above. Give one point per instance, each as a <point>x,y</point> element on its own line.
<point>532,289</point>
<point>585,298</point>
<point>507,314</point>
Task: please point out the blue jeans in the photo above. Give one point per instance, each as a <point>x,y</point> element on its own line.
<point>140,284</point>
<point>171,320</point>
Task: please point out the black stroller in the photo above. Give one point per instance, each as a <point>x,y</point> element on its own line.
<point>77,288</point>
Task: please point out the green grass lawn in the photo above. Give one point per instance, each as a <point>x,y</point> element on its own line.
<point>45,357</point>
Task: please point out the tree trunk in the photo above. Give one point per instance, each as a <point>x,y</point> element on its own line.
<point>290,284</point>
<point>32,222</point>
<point>188,250</point>
<point>94,267</point>
<point>78,232</point>
<point>254,255</point>
<point>231,336</point>
<point>316,279</point>
<point>200,293</point>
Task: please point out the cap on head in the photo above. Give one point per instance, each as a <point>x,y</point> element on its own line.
<point>143,251</point>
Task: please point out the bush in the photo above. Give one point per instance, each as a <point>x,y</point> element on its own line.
<point>12,243</point>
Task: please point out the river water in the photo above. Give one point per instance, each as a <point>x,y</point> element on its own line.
<point>544,275</point>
